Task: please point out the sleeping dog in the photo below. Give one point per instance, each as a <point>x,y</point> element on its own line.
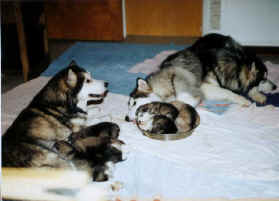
<point>215,67</point>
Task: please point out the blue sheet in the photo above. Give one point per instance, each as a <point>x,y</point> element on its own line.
<point>109,61</point>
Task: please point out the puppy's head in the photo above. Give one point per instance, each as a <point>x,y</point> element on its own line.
<point>141,95</point>
<point>157,117</point>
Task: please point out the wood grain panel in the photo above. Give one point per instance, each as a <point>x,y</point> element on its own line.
<point>85,20</point>
<point>164,17</point>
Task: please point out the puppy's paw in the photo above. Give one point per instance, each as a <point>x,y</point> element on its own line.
<point>64,149</point>
<point>99,173</point>
<point>125,151</point>
<point>109,169</point>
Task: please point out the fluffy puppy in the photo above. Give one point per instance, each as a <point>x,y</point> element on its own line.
<point>188,118</point>
<point>173,117</point>
<point>99,144</point>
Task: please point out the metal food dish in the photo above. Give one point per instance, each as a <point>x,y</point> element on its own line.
<point>168,137</point>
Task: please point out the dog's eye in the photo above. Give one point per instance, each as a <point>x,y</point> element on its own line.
<point>88,80</point>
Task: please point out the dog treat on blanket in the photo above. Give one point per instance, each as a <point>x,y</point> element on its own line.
<point>167,118</point>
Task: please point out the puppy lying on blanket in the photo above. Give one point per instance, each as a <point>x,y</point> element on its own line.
<point>45,126</point>
<point>98,144</point>
<point>162,118</point>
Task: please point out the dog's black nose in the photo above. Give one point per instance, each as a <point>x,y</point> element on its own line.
<point>274,87</point>
<point>106,84</point>
<point>127,118</point>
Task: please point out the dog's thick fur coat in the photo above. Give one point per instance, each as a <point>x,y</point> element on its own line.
<point>215,67</point>
<point>41,134</point>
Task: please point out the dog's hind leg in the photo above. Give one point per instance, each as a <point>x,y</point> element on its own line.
<point>213,92</point>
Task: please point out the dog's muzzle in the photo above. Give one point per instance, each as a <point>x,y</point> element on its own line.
<point>266,86</point>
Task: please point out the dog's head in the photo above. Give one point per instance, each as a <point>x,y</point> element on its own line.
<point>258,77</point>
<point>71,88</point>
<point>142,94</point>
<point>83,86</point>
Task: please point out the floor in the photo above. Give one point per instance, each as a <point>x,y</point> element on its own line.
<point>12,77</point>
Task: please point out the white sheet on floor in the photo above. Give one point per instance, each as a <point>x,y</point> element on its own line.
<point>233,155</point>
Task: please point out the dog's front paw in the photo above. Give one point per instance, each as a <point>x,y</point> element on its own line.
<point>99,173</point>
<point>243,101</point>
<point>260,98</point>
<point>257,96</point>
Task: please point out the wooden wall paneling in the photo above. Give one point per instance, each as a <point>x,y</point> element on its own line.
<point>85,20</point>
<point>164,17</point>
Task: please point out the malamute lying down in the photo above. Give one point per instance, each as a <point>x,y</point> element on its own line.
<point>45,126</point>
<point>233,66</point>
<point>215,67</point>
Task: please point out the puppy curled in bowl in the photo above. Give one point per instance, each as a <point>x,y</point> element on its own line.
<point>167,118</point>
<point>188,118</point>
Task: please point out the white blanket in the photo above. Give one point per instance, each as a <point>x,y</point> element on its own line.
<point>240,146</point>
<point>231,155</point>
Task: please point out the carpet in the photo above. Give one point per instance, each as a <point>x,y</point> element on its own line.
<point>109,61</point>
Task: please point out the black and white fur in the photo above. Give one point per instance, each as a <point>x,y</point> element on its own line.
<point>41,134</point>
<point>215,67</point>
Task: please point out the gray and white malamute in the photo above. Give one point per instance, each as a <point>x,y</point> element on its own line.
<point>215,67</point>
<point>41,136</point>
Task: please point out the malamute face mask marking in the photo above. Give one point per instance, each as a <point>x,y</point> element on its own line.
<point>92,90</point>
<point>141,95</point>
<point>264,85</point>
<point>88,90</point>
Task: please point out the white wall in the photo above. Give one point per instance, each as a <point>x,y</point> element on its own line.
<point>251,22</point>
<point>124,18</point>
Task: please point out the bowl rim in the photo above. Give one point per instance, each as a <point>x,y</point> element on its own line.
<point>168,136</point>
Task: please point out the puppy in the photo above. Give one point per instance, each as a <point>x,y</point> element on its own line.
<point>162,118</point>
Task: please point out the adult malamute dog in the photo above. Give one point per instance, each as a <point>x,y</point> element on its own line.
<point>215,67</point>
<point>233,66</point>
<point>59,109</point>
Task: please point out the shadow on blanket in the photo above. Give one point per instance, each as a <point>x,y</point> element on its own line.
<point>272,99</point>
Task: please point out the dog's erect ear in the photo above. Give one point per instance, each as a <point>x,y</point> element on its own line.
<point>72,78</point>
<point>143,86</point>
<point>254,69</point>
<point>73,63</point>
